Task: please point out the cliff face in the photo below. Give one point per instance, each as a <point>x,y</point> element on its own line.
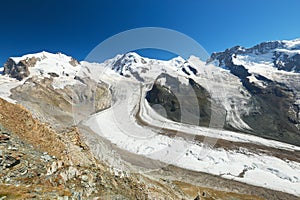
<point>18,70</point>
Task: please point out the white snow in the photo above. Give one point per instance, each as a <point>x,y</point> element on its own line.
<point>225,88</point>
<point>48,63</point>
<point>53,63</point>
<point>265,67</point>
<point>41,55</point>
<point>253,79</point>
<point>6,84</point>
<point>118,124</point>
<point>262,170</point>
<point>292,44</point>
<point>289,52</point>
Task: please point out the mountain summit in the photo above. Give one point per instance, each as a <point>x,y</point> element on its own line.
<point>42,63</point>
<point>282,55</point>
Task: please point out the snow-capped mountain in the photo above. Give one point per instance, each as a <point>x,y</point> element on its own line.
<point>60,68</point>
<point>246,93</point>
<point>213,86</point>
<point>133,65</point>
<point>257,95</point>
<point>217,90</point>
<point>270,73</point>
<point>283,55</point>
<point>41,64</point>
<point>240,88</point>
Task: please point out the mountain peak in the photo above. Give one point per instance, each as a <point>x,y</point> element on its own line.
<point>277,55</point>
<point>122,63</point>
<point>177,61</point>
<point>41,56</point>
<point>40,64</point>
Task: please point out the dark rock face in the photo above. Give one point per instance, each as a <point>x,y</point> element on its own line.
<point>265,47</point>
<point>161,95</point>
<point>287,62</point>
<point>19,70</point>
<point>184,70</point>
<point>275,113</point>
<point>180,101</point>
<point>273,118</point>
<point>193,69</point>
<point>53,74</point>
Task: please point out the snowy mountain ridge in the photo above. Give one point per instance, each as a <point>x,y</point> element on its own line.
<point>252,95</point>
<point>283,55</point>
<point>247,70</point>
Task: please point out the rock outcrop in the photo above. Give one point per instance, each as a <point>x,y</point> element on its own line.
<point>18,70</point>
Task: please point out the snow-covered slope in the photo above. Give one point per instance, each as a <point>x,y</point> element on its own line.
<point>274,60</point>
<point>270,71</point>
<point>278,53</point>
<point>61,68</point>
<point>225,89</point>
<point>120,125</point>
<point>275,173</point>
<point>6,84</point>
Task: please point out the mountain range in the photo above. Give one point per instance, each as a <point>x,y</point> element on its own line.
<point>233,118</point>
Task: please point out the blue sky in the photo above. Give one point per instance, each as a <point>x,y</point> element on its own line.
<point>76,27</point>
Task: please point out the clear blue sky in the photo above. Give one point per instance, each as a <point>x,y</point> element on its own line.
<point>76,27</point>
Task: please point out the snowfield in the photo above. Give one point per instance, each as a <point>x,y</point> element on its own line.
<point>130,76</point>
<point>47,63</point>
<point>119,125</point>
<point>241,165</point>
<point>6,84</point>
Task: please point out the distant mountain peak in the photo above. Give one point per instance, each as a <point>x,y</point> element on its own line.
<point>38,64</point>
<point>282,55</point>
